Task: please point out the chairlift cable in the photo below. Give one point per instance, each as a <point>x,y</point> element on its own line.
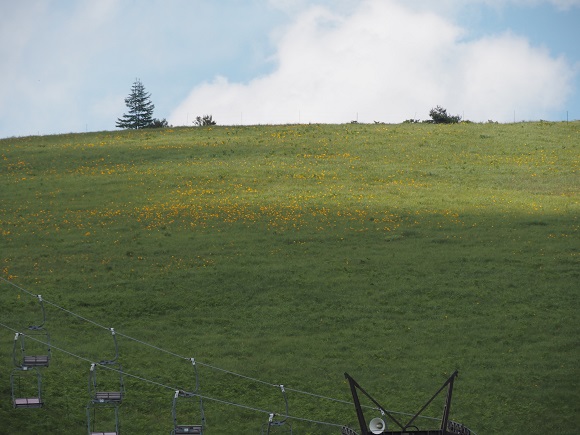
<point>197,362</point>
<point>140,378</point>
<point>238,375</point>
<point>187,358</point>
<point>17,286</point>
<point>155,347</point>
<point>77,315</point>
<point>158,384</point>
<point>346,402</point>
<point>108,367</point>
<point>267,412</point>
<point>54,305</point>
<point>140,341</point>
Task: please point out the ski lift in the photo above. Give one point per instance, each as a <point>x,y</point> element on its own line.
<point>114,360</point>
<point>32,349</point>
<point>109,388</point>
<point>41,326</point>
<point>196,429</point>
<point>278,425</point>
<point>106,390</point>
<point>108,418</point>
<point>26,391</point>
<point>33,354</point>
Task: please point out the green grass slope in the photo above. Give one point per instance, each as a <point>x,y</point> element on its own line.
<point>290,255</point>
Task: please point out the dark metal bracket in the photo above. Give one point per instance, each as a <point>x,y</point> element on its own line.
<point>447,427</point>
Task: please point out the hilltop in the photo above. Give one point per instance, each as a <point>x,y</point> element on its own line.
<point>288,255</point>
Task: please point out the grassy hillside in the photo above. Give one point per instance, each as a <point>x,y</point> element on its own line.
<point>290,255</point>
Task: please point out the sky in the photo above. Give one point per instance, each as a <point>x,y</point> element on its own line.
<point>68,65</point>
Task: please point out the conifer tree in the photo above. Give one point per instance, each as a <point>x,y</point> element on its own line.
<point>140,108</point>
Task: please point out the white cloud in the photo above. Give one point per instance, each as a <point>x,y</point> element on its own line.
<point>50,50</point>
<point>388,62</point>
<point>449,6</point>
<point>63,61</point>
<point>500,74</point>
<point>560,4</point>
<point>566,4</point>
<point>67,65</point>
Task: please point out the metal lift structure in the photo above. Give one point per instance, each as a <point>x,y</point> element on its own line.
<point>183,396</point>
<point>30,353</point>
<point>33,348</point>
<point>378,426</point>
<point>278,426</point>
<point>106,393</point>
<point>26,385</point>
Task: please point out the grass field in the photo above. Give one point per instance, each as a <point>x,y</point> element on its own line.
<point>291,255</point>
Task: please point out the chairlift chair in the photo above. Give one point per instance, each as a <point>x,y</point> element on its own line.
<point>29,351</point>
<point>108,418</point>
<point>26,391</point>
<point>108,390</point>
<point>196,429</point>
<point>112,389</point>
